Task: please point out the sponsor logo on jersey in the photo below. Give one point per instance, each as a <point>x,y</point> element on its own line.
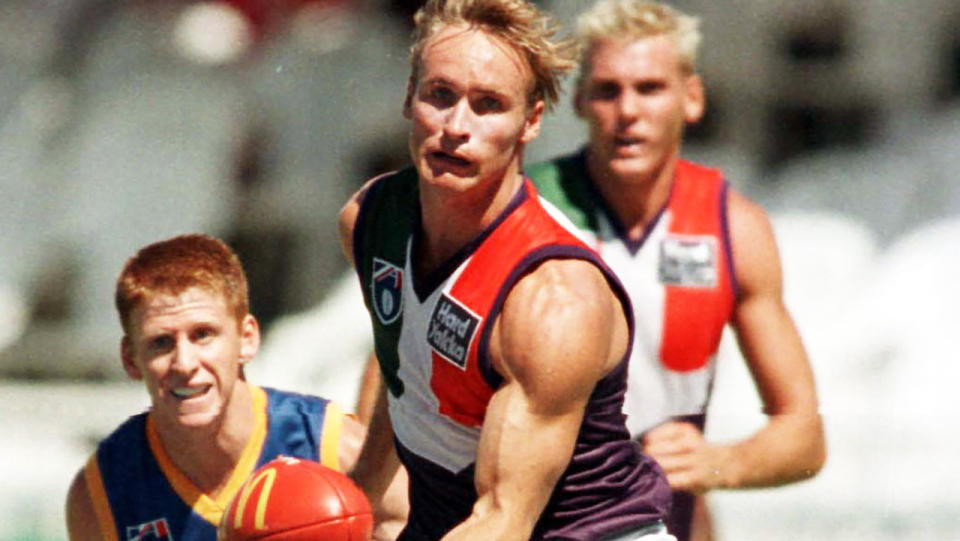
<point>451,330</point>
<point>387,291</point>
<point>157,530</point>
<point>688,261</point>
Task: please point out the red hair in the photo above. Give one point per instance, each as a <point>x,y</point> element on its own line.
<point>172,266</point>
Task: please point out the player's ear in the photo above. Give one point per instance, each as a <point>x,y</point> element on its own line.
<point>249,338</point>
<point>531,125</point>
<point>694,99</point>
<point>127,356</point>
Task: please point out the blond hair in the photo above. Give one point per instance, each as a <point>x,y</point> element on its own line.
<point>635,19</point>
<point>517,22</point>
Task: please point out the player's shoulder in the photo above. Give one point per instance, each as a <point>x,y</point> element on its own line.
<point>745,215</point>
<point>128,433</point>
<point>396,189</point>
<point>753,245</point>
<point>81,516</point>
<point>561,329</point>
<point>275,395</point>
<point>78,494</point>
<point>576,288</point>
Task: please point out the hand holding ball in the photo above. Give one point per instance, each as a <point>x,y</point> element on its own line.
<point>290,499</point>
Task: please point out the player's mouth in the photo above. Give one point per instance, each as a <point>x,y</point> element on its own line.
<point>185,393</point>
<point>446,161</point>
<point>628,144</point>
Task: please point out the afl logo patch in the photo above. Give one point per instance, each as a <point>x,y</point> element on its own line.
<point>387,291</point>
<point>155,530</point>
<point>451,330</point>
<point>688,261</point>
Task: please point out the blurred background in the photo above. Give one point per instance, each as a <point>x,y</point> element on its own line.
<point>124,122</point>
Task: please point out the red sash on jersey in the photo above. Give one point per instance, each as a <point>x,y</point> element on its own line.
<point>463,393</point>
<point>694,317</point>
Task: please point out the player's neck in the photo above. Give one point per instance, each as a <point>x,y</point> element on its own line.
<point>450,219</point>
<point>207,456</point>
<point>635,201</point>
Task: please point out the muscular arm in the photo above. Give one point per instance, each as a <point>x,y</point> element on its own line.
<point>561,330</point>
<point>790,447</point>
<point>82,522</point>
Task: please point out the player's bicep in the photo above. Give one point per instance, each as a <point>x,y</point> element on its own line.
<point>552,344</point>
<point>767,335</point>
<point>755,254</point>
<point>560,331</point>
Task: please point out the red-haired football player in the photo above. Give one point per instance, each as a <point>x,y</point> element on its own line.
<point>169,472</point>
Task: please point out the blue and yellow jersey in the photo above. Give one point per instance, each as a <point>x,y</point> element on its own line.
<point>139,494</point>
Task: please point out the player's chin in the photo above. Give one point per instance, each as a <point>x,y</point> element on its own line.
<point>199,415</point>
<point>453,181</point>
<point>630,167</point>
<point>198,420</point>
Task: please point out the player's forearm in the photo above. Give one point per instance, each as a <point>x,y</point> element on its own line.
<point>390,516</point>
<point>378,463</point>
<point>492,520</point>
<point>789,448</point>
<point>373,473</point>
<point>514,483</point>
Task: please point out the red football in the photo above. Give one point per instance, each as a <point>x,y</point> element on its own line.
<point>290,499</point>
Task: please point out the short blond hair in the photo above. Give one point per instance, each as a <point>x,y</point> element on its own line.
<point>517,22</point>
<point>635,19</point>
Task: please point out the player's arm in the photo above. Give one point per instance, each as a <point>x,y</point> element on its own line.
<point>82,522</point>
<point>377,465</point>
<point>560,331</point>
<point>376,468</point>
<point>390,513</point>
<point>370,384</point>
<point>790,447</point>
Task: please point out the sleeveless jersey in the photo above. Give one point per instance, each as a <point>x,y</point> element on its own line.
<point>432,337</point>
<point>139,494</point>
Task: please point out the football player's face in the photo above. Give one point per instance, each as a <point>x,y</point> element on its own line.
<point>469,109</point>
<point>189,350</point>
<point>636,98</point>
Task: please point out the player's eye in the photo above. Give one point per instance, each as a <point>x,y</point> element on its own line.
<point>488,104</point>
<point>650,87</point>
<point>604,91</point>
<point>160,344</point>
<point>203,334</point>
<point>441,96</point>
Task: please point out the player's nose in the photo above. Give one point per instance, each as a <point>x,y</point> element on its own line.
<point>628,106</point>
<point>457,122</point>
<point>185,357</point>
